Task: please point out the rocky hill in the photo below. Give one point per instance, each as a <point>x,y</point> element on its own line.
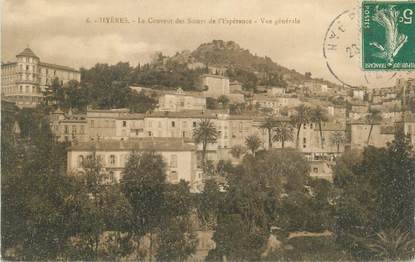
<point>240,63</point>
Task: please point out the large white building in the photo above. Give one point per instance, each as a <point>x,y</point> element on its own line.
<point>215,85</point>
<point>181,101</point>
<point>24,81</point>
<point>180,157</point>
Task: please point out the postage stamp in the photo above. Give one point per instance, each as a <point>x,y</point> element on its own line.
<point>388,35</point>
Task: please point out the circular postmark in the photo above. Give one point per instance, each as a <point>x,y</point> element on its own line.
<point>342,54</point>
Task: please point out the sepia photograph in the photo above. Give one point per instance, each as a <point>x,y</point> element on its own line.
<point>207,130</point>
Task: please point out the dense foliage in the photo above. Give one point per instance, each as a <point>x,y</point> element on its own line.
<point>376,195</point>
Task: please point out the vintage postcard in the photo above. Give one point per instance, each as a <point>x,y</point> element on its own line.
<point>196,130</point>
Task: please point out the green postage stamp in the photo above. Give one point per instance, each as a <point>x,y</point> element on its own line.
<point>388,35</point>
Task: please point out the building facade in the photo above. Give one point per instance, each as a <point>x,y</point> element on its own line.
<point>215,85</point>
<point>179,157</point>
<point>181,101</point>
<point>25,81</point>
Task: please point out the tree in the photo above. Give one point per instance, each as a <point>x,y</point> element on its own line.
<point>237,151</point>
<point>283,132</point>
<point>286,167</point>
<point>253,143</point>
<point>367,187</point>
<point>319,115</point>
<point>177,243</point>
<point>211,103</point>
<point>246,213</point>
<point>269,124</point>
<point>224,100</point>
<point>208,204</point>
<point>391,245</point>
<point>372,118</point>
<point>38,217</point>
<point>96,182</point>
<point>54,94</point>
<point>396,179</point>
<point>337,138</point>
<point>141,103</point>
<point>300,118</point>
<point>177,239</point>
<point>205,133</point>
<point>355,204</point>
<point>143,184</point>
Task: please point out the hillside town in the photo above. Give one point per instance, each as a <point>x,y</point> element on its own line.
<point>283,111</point>
<point>350,118</point>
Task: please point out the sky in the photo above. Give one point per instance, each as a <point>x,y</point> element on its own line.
<point>57,31</point>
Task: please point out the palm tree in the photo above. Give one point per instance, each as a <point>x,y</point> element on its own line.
<point>283,132</point>
<point>300,118</point>
<point>372,118</point>
<point>337,138</point>
<point>269,124</point>
<point>253,143</point>
<point>205,133</point>
<point>237,151</point>
<point>319,115</point>
<point>390,245</point>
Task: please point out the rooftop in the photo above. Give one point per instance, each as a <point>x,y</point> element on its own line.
<point>186,114</point>
<point>215,76</point>
<point>61,67</point>
<point>138,144</point>
<point>8,63</point>
<point>27,52</point>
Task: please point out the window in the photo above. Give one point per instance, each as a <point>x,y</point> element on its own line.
<point>174,176</point>
<point>124,123</point>
<point>315,169</point>
<point>173,124</point>
<point>149,133</point>
<point>82,130</point>
<point>27,68</point>
<point>66,130</point>
<point>80,161</point>
<point>304,140</point>
<point>112,160</point>
<point>311,125</point>
<point>184,134</point>
<point>173,161</point>
<point>194,124</point>
<point>101,159</point>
